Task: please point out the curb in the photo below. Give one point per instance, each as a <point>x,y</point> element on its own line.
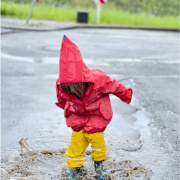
<point>47,26</point>
<point>38,29</point>
<point>131,27</point>
<point>92,26</point>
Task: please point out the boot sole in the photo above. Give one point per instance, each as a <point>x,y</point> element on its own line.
<point>100,177</point>
<point>73,176</point>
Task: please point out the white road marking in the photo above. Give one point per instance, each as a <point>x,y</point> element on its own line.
<point>52,60</point>
<point>88,61</point>
<point>143,61</point>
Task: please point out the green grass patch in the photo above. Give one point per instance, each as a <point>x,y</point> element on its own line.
<point>108,16</point>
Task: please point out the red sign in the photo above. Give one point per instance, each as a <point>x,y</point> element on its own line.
<point>100,1</point>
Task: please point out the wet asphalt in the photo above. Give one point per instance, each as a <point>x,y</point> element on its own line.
<point>146,61</point>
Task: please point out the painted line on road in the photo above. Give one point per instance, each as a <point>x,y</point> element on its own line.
<point>142,76</point>
<point>52,60</point>
<point>118,77</point>
<point>88,61</point>
<point>160,76</point>
<point>142,61</point>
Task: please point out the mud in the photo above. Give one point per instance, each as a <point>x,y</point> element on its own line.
<point>51,165</point>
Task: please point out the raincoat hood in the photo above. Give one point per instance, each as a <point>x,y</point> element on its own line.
<point>72,69</point>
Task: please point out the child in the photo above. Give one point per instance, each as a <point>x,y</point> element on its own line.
<point>84,96</point>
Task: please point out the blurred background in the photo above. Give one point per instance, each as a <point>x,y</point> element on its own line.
<point>152,13</point>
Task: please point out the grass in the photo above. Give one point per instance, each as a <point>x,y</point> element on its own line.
<point>108,16</point>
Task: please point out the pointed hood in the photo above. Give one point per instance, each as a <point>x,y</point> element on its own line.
<point>72,69</point>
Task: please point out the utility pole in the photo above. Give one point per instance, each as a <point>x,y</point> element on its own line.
<point>99,2</point>
<point>98,13</point>
<point>30,11</point>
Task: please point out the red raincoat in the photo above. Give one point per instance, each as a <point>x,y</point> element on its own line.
<point>93,111</point>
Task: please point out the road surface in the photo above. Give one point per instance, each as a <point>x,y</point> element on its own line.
<point>147,61</point>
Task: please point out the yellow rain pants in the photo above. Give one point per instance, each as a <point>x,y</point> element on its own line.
<point>79,142</point>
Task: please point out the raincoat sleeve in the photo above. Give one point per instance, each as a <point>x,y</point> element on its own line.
<point>61,102</point>
<point>111,86</point>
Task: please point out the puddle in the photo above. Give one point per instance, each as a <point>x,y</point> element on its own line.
<point>129,136</point>
<point>121,129</point>
<point>36,163</point>
<point>51,165</point>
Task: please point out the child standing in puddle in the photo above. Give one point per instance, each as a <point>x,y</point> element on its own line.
<point>84,95</point>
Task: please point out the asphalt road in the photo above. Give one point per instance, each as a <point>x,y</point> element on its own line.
<point>146,61</point>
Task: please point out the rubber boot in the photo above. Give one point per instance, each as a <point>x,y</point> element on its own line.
<point>72,171</point>
<point>100,171</point>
